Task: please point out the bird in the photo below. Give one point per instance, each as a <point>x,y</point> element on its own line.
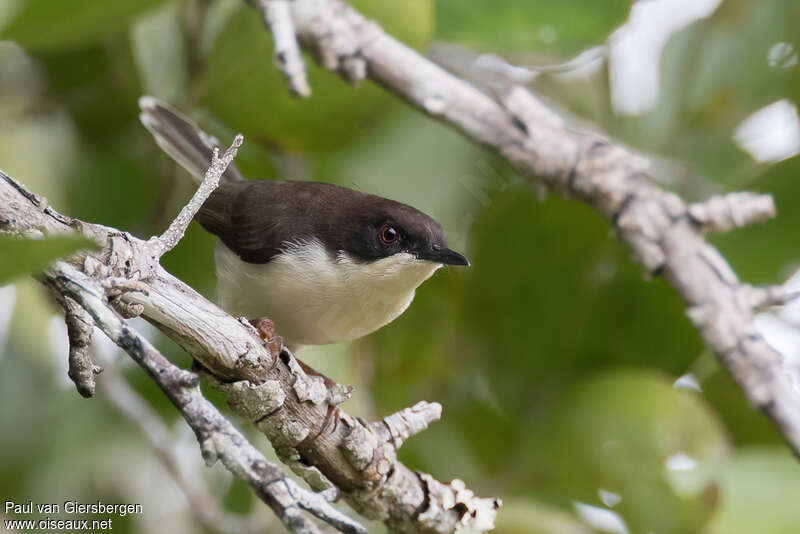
<point>325,263</point>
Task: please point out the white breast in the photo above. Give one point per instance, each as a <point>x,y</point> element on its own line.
<point>315,299</point>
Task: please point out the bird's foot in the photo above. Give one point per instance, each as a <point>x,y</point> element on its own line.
<point>265,328</point>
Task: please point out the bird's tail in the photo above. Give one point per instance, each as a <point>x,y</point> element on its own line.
<point>182,139</point>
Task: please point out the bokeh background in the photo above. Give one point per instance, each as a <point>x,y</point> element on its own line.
<point>573,387</point>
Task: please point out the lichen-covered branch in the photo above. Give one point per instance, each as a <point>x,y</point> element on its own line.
<point>82,369</point>
<point>663,232</point>
<point>87,289</point>
<point>722,213</point>
<point>167,241</point>
<point>79,324</point>
<point>218,438</point>
<point>399,426</point>
<point>332,450</point>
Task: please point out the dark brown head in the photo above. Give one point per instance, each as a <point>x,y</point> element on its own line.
<point>258,219</point>
<point>371,228</point>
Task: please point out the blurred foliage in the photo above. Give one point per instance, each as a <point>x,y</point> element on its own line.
<point>598,439</point>
<point>554,357</point>
<point>756,484</point>
<point>234,84</point>
<point>550,26</point>
<point>28,256</point>
<point>47,25</point>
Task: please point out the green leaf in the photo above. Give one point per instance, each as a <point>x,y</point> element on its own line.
<point>49,24</point>
<point>25,256</point>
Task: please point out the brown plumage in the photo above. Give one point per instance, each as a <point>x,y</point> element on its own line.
<point>257,218</point>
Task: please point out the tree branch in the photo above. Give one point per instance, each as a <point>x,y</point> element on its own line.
<point>218,438</point>
<point>106,279</point>
<point>167,241</point>
<point>400,426</point>
<point>276,15</point>
<point>663,232</point>
<point>319,441</point>
<point>727,212</point>
<point>203,505</point>
<point>82,369</point>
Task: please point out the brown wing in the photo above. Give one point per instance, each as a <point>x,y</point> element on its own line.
<point>257,218</point>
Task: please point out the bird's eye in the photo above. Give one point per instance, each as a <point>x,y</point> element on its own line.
<point>389,234</point>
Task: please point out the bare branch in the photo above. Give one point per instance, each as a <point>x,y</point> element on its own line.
<point>319,441</point>
<point>725,212</point>
<point>167,241</point>
<point>660,229</point>
<point>337,49</point>
<point>401,425</point>
<point>277,17</point>
<point>82,369</point>
<point>757,298</point>
<point>126,256</point>
<point>218,438</point>
<point>493,71</point>
<point>481,512</point>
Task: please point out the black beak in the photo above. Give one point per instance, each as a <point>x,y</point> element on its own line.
<point>443,255</point>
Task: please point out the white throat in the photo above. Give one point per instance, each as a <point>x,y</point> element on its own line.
<point>315,299</point>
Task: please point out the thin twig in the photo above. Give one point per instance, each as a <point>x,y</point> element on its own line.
<point>172,236</point>
<point>722,213</point>
<point>277,16</point>
<point>82,368</point>
<point>400,426</point>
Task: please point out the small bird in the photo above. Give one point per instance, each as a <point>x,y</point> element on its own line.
<point>325,263</point>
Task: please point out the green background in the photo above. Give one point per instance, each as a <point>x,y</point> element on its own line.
<point>553,356</point>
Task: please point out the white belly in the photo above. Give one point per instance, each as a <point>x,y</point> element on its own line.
<point>315,299</point>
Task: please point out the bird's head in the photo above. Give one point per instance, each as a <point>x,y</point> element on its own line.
<point>383,229</point>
